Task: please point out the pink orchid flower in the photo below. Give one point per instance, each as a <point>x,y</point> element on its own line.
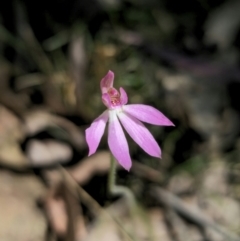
<point>129,116</point>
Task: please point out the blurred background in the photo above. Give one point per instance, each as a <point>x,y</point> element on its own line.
<point>181,57</point>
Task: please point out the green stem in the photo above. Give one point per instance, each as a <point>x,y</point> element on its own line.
<point>117,189</point>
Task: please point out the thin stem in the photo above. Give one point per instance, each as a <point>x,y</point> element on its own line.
<point>112,175</point>
<point>117,189</point>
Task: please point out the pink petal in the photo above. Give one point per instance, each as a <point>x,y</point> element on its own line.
<point>123,96</point>
<point>148,114</point>
<point>95,132</point>
<point>107,82</point>
<point>140,134</point>
<point>117,142</point>
<point>106,100</point>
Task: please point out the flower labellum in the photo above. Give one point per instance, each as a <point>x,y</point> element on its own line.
<point>130,117</point>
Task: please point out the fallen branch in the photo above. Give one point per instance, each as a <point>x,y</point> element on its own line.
<point>194,215</point>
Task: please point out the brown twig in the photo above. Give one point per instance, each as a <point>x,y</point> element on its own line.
<point>147,172</point>
<point>92,204</point>
<point>170,200</point>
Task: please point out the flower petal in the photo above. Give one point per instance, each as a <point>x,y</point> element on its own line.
<point>148,114</point>
<point>117,141</point>
<point>95,132</point>
<point>107,82</point>
<point>123,96</point>
<point>106,100</point>
<point>140,134</point>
